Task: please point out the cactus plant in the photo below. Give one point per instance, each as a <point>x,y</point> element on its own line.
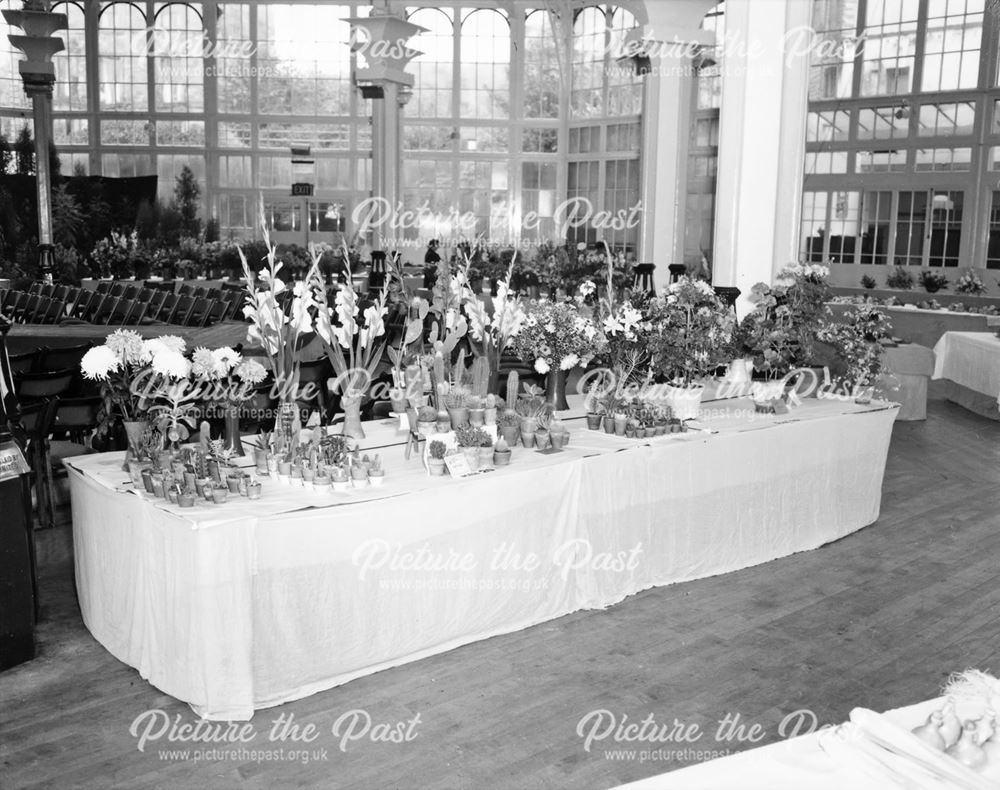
<point>458,369</point>
<point>480,376</point>
<point>513,384</point>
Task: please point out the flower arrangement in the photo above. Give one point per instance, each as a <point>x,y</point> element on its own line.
<point>780,332</point>
<point>225,375</point>
<point>692,331</point>
<point>555,336</point>
<point>116,255</point>
<point>970,283</point>
<point>857,341</point>
<point>133,373</point>
<point>566,267</point>
<point>491,334</point>
<point>280,321</point>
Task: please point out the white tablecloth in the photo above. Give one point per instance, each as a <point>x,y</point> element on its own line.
<point>233,609</point>
<point>971,359</point>
<point>797,764</point>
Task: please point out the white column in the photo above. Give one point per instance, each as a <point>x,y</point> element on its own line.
<point>761,143</point>
<point>673,29</point>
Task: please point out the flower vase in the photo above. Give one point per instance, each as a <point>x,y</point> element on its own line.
<point>352,417</point>
<point>135,431</point>
<point>231,431</point>
<point>555,389</point>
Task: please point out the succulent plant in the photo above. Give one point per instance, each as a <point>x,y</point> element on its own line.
<point>468,436</point>
<point>437,449</point>
<point>513,385</point>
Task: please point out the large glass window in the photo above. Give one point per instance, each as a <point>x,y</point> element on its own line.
<point>545,77</point>
<point>70,91</point>
<point>179,68</point>
<point>123,44</point>
<point>910,118</point>
<point>433,70</point>
<point>485,59</point>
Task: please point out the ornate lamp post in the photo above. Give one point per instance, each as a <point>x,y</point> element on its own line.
<point>381,40</point>
<point>38,72</point>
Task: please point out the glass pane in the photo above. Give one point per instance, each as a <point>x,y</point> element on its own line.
<point>911,216</point>
<point>890,46</point>
<point>945,228</point>
<point>952,41</point>
<point>875,218</point>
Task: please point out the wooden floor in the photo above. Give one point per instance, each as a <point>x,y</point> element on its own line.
<point>877,619</point>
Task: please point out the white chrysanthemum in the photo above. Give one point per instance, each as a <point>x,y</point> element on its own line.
<point>98,363</point>
<point>128,346</point>
<point>203,363</point>
<point>569,361</point>
<point>251,371</point>
<point>173,342</point>
<point>541,366</point>
<point>171,364</point>
<point>225,359</point>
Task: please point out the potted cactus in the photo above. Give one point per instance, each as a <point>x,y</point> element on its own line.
<point>485,451</point>
<point>558,434</point>
<point>491,406</point>
<point>501,452</point>
<point>477,412</point>
<point>435,457</point>
<point>458,410</point>
<point>376,474</point>
<point>427,420</point>
<point>339,479</point>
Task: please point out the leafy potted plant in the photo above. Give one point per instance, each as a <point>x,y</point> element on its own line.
<point>435,457</point>
<point>469,440</point>
<point>857,341</point>
<point>970,283</point>
<point>899,278</point>
<point>867,281</point>
<point>485,451</point>
<point>933,281</point>
<point>508,425</point>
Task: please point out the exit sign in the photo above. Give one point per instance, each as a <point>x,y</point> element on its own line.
<point>302,190</point>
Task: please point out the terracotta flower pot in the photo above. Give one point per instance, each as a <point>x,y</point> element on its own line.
<point>458,416</point>
<point>509,434</point>
<point>594,421</point>
<point>436,466</point>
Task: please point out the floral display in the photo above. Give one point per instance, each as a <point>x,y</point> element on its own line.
<point>780,333</point>
<point>555,336</point>
<point>692,331</point>
<point>116,255</point>
<point>933,281</point>
<point>492,333</point>
<point>133,372</point>
<point>970,283</point>
<point>857,341</point>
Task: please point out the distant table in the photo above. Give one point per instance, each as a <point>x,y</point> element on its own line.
<point>247,605</point>
<point>970,364</point>
<point>913,366</point>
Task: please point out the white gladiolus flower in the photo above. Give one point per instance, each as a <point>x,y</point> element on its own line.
<point>98,363</point>
<point>541,366</point>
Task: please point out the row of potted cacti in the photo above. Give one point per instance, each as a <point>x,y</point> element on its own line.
<point>355,470</point>
<point>184,477</point>
<point>475,444</point>
<point>636,420</point>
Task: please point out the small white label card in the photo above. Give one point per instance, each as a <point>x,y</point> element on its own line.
<point>458,465</point>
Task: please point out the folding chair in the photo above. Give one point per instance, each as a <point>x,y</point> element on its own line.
<point>136,313</point>
<point>63,357</point>
<point>119,312</point>
<point>198,314</point>
<point>181,311</point>
<point>35,386</point>
<point>55,313</point>
<point>25,362</point>
<point>41,307</point>
<point>217,312</point>
<point>104,287</point>
<point>165,309</point>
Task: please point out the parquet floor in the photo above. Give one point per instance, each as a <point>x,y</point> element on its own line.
<point>878,619</point>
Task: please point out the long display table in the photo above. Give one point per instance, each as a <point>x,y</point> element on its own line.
<point>246,605</point>
<point>969,363</point>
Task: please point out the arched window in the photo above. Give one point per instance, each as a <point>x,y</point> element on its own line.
<point>624,85</point>
<point>179,69</point>
<point>233,72</point>
<point>433,70</point>
<point>70,91</point>
<point>485,71</point>
<point>587,96</point>
<point>545,73</point>
<point>123,46</point>
<point>304,64</point>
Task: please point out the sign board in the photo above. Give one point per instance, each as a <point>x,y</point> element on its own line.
<point>302,190</point>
